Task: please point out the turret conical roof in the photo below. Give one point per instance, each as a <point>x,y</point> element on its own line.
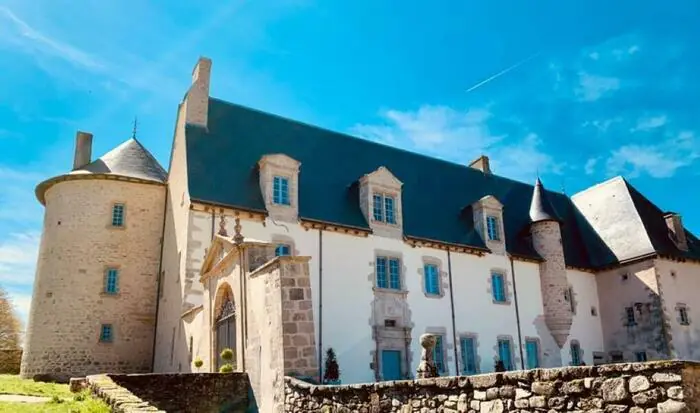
<point>541,208</point>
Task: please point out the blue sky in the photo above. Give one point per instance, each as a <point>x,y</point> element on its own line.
<point>597,90</point>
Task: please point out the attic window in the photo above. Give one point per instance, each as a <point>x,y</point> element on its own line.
<point>280,190</point>
<point>383,208</point>
<point>492,228</point>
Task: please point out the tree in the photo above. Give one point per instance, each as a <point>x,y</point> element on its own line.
<point>331,374</point>
<point>9,323</point>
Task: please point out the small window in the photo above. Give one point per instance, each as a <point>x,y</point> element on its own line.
<point>575,354</point>
<point>498,287</point>
<point>504,353</point>
<point>106,333</point>
<point>532,350</point>
<point>384,208</point>
<point>629,316</point>
<point>118,215</point>
<point>616,357</point>
<point>439,355</point>
<point>432,279</point>
<point>492,228</point>
<point>390,277</point>
<point>625,277</point>
<point>389,323</point>
<point>468,348</point>
<point>673,274</point>
<point>569,298</point>
<point>594,312</point>
<point>111,281</point>
<point>683,316</point>
<point>282,249</point>
<point>640,356</point>
<point>280,190</point>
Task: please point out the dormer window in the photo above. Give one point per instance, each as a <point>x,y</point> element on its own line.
<point>492,228</point>
<point>280,190</point>
<point>383,208</point>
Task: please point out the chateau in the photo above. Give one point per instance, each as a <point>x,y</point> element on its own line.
<point>142,269</point>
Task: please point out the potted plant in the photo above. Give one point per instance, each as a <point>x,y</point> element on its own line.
<point>331,372</point>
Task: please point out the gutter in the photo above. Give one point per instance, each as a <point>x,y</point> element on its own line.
<point>160,279</point>
<point>452,310</point>
<point>517,313</point>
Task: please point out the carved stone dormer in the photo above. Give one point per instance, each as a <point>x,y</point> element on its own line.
<point>488,222</point>
<point>279,183</point>
<point>380,202</point>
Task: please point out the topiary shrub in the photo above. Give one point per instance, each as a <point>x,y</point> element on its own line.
<point>198,363</point>
<point>226,368</point>
<point>228,356</point>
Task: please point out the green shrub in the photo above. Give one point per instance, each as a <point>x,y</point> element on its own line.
<point>227,354</point>
<point>198,363</point>
<point>226,368</point>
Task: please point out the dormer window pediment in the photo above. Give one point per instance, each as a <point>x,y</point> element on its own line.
<point>380,202</point>
<point>279,184</point>
<point>488,222</point>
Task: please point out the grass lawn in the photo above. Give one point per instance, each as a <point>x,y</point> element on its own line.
<point>62,399</point>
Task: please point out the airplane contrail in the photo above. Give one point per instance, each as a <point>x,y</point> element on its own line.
<point>503,72</point>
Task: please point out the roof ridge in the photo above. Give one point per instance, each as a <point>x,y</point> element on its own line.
<point>349,136</point>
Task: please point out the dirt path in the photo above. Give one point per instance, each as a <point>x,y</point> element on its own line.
<point>17,398</point>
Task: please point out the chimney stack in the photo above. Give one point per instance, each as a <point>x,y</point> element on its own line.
<point>675,226</point>
<point>197,99</point>
<point>481,163</point>
<point>83,149</point>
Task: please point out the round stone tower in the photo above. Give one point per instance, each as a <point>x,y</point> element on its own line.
<point>546,239</point>
<point>93,303</point>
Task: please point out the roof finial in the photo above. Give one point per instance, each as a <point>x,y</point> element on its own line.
<point>237,238</point>
<point>222,226</point>
<point>133,132</point>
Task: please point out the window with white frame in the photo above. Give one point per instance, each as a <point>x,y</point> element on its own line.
<point>492,228</point>
<point>384,208</point>
<point>388,273</point>
<point>431,279</point>
<point>280,190</point>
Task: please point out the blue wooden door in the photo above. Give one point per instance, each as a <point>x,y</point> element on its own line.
<point>391,365</point>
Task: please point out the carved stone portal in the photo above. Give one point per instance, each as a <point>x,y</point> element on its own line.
<point>426,368</point>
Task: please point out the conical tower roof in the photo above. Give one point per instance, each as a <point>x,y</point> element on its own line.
<point>130,160</point>
<point>541,208</point>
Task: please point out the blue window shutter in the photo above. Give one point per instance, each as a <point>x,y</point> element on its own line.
<point>377,208</point>
<point>432,279</point>
<point>468,355</point>
<point>285,191</point>
<point>504,354</point>
<point>381,272</point>
<point>438,355</point>
<point>532,351</point>
<point>282,249</point>
<point>394,274</point>
<point>389,210</point>
<point>497,287</point>
<point>112,281</point>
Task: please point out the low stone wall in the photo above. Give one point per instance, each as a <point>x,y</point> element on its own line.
<point>654,387</point>
<point>182,393</point>
<point>10,361</point>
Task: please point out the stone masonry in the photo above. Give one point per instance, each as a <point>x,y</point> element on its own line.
<point>69,304</point>
<point>546,239</point>
<point>656,387</point>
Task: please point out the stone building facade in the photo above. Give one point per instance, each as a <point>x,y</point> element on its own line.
<point>335,242</point>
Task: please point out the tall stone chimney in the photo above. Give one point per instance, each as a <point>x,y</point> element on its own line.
<point>675,226</point>
<point>481,163</point>
<point>197,98</point>
<point>83,149</point>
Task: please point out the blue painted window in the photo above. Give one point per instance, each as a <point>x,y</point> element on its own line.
<point>383,208</point>
<point>389,210</point>
<point>641,356</point>
<point>492,228</point>
<point>388,277</point>
<point>118,215</point>
<point>532,351</point>
<point>432,279</point>
<point>468,347</point>
<point>106,333</point>
<point>282,249</point>
<point>575,354</point>
<point>112,281</point>
<point>280,190</point>
<point>504,353</point>
<point>439,355</point>
<point>498,287</point>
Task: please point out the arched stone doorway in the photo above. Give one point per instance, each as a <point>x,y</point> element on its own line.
<point>224,324</point>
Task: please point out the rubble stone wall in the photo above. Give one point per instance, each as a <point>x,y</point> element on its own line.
<point>654,387</point>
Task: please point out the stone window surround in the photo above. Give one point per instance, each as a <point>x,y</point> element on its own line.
<point>678,308</point>
<point>477,355</point>
<point>489,205</point>
<point>382,181</point>
<point>539,349</point>
<point>515,359</point>
<point>447,347</point>
<point>103,290</point>
<point>284,166</point>
<point>285,239</point>
<point>427,259</point>
<point>377,355</point>
<point>402,271</point>
<point>385,192</point>
<point>110,221</point>
<point>498,234</point>
<point>506,285</point>
<point>288,178</point>
<point>571,352</point>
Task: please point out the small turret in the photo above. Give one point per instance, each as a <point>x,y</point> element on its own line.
<point>545,228</point>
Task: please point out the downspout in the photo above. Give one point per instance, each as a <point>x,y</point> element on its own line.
<point>517,313</point>
<point>320,305</point>
<point>160,279</point>
<point>244,296</point>
<point>452,309</point>
<point>213,357</point>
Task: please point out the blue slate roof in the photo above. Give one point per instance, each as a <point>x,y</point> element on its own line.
<point>222,170</point>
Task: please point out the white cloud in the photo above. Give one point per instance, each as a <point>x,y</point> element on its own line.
<point>660,160</point>
<point>650,122</point>
<point>18,254</point>
<point>592,87</point>
<point>524,159</point>
<point>589,168</point>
